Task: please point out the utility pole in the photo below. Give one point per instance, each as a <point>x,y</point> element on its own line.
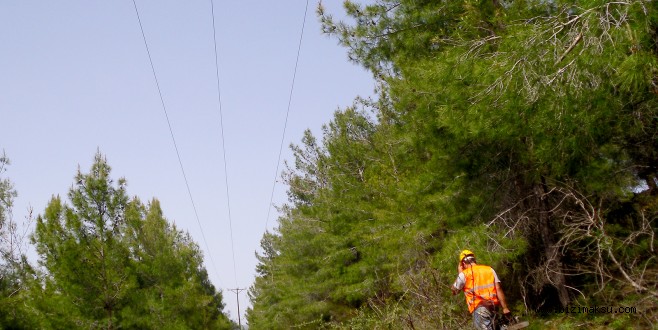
<point>237,298</point>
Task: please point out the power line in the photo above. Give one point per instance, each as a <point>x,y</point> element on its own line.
<point>285,124</point>
<point>171,132</point>
<point>221,123</point>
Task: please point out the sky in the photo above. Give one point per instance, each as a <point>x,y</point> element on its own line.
<point>75,78</point>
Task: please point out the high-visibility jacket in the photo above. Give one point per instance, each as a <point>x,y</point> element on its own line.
<point>479,286</point>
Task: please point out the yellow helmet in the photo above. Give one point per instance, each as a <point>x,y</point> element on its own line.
<point>464,254</point>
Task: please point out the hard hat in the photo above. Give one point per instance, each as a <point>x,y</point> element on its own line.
<point>464,254</point>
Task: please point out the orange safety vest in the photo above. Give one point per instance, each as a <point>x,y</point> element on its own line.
<point>479,286</point>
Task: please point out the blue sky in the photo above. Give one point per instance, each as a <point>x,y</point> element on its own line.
<point>75,78</point>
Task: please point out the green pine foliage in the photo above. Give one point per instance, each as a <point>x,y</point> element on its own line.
<point>111,262</point>
<point>523,130</point>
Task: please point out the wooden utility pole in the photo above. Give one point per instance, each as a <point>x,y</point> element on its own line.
<point>237,298</point>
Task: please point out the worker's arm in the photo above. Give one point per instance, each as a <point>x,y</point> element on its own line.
<point>501,298</point>
<point>454,287</point>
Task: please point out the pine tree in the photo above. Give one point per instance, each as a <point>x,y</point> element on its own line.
<point>111,262</point>
<point>82,247</point>
<point>172,290</point>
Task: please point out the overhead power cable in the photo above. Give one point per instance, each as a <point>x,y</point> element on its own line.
<point>221,123</point>
<point>173,139</point>
<point>285,124</point>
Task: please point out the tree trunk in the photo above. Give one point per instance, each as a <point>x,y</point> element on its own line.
<point>553,260</point>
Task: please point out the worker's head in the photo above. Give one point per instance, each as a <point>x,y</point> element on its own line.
<point>467,257</point>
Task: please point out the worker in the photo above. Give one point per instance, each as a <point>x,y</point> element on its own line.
<point>482,289</point>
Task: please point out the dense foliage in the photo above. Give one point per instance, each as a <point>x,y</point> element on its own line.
<point>106,262</point>
<point>526,131</point>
